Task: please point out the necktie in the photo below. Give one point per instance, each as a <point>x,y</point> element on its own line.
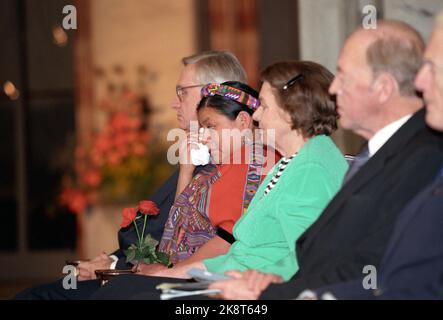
<point>358,162</point>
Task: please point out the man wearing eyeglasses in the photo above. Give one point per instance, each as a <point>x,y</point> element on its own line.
<point>198,70</point>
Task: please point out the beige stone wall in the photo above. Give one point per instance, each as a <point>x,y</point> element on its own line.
<point>324,25</point>
<point>130,33</point>
<point>154,33</point>
<point>415,12</point>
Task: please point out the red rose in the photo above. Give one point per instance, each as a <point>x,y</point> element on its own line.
<point>148,207</point>
<point>128,216</point>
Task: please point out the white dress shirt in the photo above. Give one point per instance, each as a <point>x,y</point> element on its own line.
<point>384,134</point>
<point>114,261</point>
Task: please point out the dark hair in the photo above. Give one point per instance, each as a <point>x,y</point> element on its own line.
<point>228,107</point>
<point>307,99</point>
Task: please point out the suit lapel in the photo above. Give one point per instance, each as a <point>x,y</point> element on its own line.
<point>369,171</point>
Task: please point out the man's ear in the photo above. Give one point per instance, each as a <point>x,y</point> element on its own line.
<point>386,86</point>
<point>244,120</point>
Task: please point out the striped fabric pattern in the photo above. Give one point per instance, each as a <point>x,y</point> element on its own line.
<point>281,167</point>
<point>188,226</point>
<point>231,93</point>
<point>189,213</point>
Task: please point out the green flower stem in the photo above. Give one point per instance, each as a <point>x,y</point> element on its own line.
<point>144,226</point>
<point>138,234</point>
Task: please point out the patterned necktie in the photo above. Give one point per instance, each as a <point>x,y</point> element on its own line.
<point>358,162</point>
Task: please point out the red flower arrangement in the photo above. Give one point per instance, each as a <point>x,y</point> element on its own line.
<point>116,163</point>
<point>145,249</point>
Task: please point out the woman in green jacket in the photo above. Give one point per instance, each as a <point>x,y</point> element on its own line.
<point>296,110</point>
<point>297,116</point>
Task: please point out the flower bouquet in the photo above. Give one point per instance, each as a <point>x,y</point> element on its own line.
<point>114,165</point>
<point>145,250</point>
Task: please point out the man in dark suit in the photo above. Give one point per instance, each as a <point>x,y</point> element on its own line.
<point>412,267</point>
<point>198,70</point>
<point>376,99</point>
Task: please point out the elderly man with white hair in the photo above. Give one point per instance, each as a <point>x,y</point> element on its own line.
<point>412,267</point>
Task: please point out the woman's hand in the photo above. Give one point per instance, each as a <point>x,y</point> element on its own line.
<point>179,271</point>
<point>149,269</point>
<point>186,167</point>
<point>185,160</point>
<point>248,285</point>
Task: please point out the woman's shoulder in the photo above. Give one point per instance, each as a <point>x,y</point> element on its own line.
<point>321,148</point>
<point>322,152</point>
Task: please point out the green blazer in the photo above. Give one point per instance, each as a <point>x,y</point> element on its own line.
<point>266,234</point>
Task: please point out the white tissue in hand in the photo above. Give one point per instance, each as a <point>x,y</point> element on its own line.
<point>200,156</point>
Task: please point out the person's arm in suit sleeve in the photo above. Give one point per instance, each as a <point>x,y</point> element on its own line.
<point>350,290</point>
<point>373,248</point>
<point>349,268</point>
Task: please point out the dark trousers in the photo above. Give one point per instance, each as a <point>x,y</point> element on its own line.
<point>132,287</point>
<point>55,291</point>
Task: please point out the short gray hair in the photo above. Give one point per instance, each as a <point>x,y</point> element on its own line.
<point>399,52</point>
<point>217,67</point>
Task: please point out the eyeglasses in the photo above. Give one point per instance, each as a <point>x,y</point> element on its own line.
<point>292,81</point>
<point>181,91</point>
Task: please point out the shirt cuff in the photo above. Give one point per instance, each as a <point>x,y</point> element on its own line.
<point>114,262</point>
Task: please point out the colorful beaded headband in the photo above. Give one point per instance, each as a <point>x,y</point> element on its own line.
<point>231,93</point>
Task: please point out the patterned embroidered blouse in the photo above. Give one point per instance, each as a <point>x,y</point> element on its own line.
<point>215,198</point>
